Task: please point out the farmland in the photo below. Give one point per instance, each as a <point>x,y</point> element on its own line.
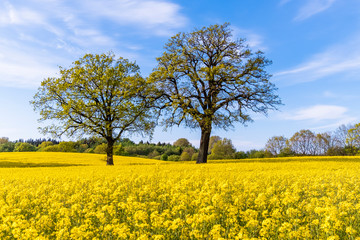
<point>75,196</point>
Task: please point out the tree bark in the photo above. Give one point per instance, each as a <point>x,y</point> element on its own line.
<point>110,152</point>
<point>204,145</point>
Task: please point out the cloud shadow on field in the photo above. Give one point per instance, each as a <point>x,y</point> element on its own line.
<point>8,164</point>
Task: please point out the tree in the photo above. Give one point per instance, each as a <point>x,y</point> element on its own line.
<point>4,140</point>
<point>302,142</point>
<point>185,156</point>
<point>212,141</point>
<point>98,95</point>
<point>207,79</point>
<point>322,142</point>
<point>341,135</point>
<point>24,147</point>
<point>7,147</point>
<point>276,145</point>
<point>223,149</point>
<point>353,136</point>
<point>181,142</point>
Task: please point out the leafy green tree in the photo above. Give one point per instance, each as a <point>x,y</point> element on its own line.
<point>223,149</point>
<point>353,136</point>
<point>213,140</point>
<point>7,147</point>
<point>24,147</point>
<point>67,146</point>
<point>181,142</point>
<point>100,149</point>
<point>164,157</point>
<point>98,95</point>
<point>45,144</point>
<point>185,156</point>
<point>207,79</point>
<point>174,158</point>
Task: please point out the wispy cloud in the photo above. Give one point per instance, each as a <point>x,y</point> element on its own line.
<point>161,17</point>
<point>310,7</point>
<point>254,40</point>
<point>313,7</point>
<point>322,116</point>
<point>343,58</point>
<point>318,113</point>
<point>39,35</point>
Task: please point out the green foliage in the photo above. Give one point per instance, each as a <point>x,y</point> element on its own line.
<point>119,150</point>
<point>222,149</point>
<point>240,155</point>
<point>336,151</point>
<point>213,140</point>
<point>353,136</point>
<point>206,79</point>
<point>101,149</point>
<point>174,158</point>
<point>7,147</point>
<point>24,147</point>
<point>194,157</point>
<point>45,144</point>
<point>153,154</point>
<point>53,148</point>
<point>181,142</point>
<point>164,157</point>
<point>185,156</point>
<point>99,95</point>
<point>67,147</point>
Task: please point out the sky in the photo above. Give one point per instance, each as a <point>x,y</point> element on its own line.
<point>314,46</point>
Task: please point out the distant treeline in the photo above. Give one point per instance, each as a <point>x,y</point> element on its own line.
<point>180,150</point>
<point>344,141</point>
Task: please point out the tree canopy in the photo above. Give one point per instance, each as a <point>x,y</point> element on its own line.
<point>206,79</point>
<point>98,95</point>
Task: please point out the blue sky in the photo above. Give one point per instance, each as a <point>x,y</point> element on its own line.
<point>314,46</point>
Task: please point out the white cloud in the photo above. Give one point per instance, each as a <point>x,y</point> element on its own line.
<point>310,8</point>
<point>343,58</point>
<point>18,16</point>
<point>161,17</point>
<point>313,7</point>
<point>24,67</point>
<point>318,113</point>
<point>40,35</point>
<point>254,40</point>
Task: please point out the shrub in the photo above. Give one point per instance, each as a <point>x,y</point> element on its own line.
<point>194,156</point>
<point>44,145</point>
<point>153,154</point>
<point>67,147</point>
<point>7,147</point>
<point>24,147</point>
<point>185,156</point>
<point>89,150</point>
<point>174,158</point>
<point>164,157</point>
<point>119,150</point>
<point>53,148</point>
<point>100,149</point>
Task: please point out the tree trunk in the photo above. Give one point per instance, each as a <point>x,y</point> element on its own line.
<point>110,152</point>
<point>204,145</point>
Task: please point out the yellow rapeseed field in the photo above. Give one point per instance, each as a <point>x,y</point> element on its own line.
<point>75,196</point>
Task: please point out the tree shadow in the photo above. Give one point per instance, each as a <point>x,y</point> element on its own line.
<point>8,164</point>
